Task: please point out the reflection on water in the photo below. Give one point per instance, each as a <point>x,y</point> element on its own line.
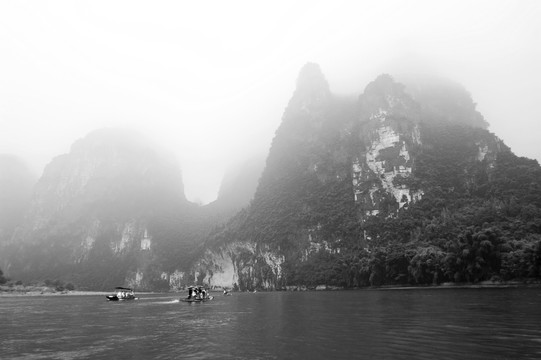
<point>420,324</point>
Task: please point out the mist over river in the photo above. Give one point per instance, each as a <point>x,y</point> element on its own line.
<point>366,324</point>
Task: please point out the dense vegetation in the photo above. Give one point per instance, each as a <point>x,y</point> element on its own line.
<point>470,226</point>
<point>479,217</point>
<point>91,208</point>
<point>3,280</point>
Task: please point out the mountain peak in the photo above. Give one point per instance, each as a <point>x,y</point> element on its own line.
<point>102,141</point>
<point>311,81</point>
<point>385,95</point>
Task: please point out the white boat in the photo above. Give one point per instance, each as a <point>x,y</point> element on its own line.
<point>122,294</point>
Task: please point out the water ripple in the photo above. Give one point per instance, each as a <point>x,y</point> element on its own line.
<point>447,324</point>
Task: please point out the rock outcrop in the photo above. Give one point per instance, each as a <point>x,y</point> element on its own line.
<point>338,172</point>
<point>94,211</point>
<point>398,186</point>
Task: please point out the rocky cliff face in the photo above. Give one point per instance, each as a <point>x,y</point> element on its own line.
<point>94,213</point>
<point>339,175</point>
<point>110,170</point>
<point>398,186</point>
<point>390,130</point>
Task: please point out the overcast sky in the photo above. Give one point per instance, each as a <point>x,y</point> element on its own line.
<point>210,79</point>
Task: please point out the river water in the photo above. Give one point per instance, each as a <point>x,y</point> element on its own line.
<point>365,324</point>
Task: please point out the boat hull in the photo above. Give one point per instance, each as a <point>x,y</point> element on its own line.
<point>116,298</point>
<point>196,300</point>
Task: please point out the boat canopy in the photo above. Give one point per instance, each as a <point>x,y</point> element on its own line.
<point>123,288</point>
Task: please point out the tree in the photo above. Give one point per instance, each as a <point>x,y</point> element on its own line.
<point>69,287</point>
<point>3,280</point>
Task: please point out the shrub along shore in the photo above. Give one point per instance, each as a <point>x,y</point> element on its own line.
<point>20,290</point>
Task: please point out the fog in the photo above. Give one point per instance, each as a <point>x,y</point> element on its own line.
<point>210,80</point>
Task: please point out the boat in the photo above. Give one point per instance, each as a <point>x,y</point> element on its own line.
<point>197,294</point>
<point>195,300</point>
<point>122,294</point>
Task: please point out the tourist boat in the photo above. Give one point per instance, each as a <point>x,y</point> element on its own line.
<point>197,294</point>
<point>122,294</point>
<point>196,300</point>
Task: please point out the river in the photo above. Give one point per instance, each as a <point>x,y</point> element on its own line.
<point>364,324</point>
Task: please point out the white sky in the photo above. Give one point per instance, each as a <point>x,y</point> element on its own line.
<point>210,79</point>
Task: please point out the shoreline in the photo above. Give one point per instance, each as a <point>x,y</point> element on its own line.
<point>533,283</point>
<point>19,290</point>
<point>15,293</point>
<point>458,286</point>
<point>44,291</point>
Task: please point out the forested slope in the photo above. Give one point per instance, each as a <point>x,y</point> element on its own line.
<point>390,189</point>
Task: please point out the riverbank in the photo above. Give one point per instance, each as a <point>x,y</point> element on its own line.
<point>480,285</point>
<point>448,285</point>
<point>21,290</point>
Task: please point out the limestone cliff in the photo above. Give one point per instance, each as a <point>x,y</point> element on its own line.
<point>397,186</point>
<point>339,175</point>
<point>95,211</point>
<point>390,132</point>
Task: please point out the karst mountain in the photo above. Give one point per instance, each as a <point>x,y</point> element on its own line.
<point>403,184</point>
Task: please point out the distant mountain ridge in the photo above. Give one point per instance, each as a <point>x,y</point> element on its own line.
<point>113,211</point>
<point>103,160</point>
<point>403,185</point>
<point>94,211</point>
<point>237,188</point>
